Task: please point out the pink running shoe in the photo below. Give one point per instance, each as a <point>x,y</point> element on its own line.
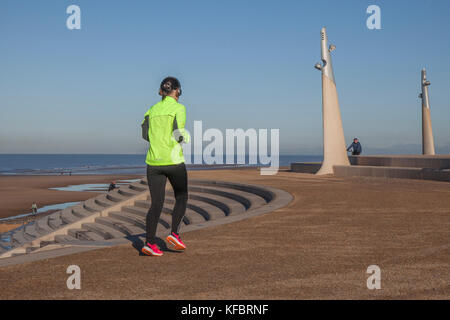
<point>175,240</point>
<point>151,250</point>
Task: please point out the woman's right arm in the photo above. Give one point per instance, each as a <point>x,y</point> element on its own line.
<point>180,118</point>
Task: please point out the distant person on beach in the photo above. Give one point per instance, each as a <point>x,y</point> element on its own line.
<point>112,186</point>
<point>34,208</point>
<point>163,128</point>
<point>356,147</point>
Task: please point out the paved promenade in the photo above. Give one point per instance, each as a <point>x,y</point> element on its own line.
<point>317,247</point>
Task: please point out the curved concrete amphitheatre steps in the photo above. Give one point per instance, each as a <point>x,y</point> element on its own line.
<point>119,216</point>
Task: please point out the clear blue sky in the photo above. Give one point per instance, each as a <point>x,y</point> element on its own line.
<point>242,64</point>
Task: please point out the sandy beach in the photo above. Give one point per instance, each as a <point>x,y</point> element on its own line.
<point>19,192</point>
<point>4,227</point>
<point>317,247</point>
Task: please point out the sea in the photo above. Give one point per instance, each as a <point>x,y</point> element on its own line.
<point>76,164</point>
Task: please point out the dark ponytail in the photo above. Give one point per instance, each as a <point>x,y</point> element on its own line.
<point>168,85</point>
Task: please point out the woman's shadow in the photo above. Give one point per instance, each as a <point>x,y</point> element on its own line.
<point>138,244</point>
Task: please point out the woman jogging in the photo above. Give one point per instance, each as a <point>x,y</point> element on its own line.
<point>163,127</point>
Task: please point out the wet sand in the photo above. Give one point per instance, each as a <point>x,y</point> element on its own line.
<point>4,227</point>
<point>317,247</point>
<point>19,192</point>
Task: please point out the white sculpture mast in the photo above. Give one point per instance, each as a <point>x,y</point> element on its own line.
<point>334,147</point>
<point>427,131</point>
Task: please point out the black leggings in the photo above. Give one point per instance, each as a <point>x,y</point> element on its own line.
<point>156,178</point>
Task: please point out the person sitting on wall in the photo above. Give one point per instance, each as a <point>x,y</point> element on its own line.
<point>356,147</point>
<point>34,208</point>
<point>112,186</point>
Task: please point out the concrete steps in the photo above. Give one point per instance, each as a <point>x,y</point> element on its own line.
<point>68,217</point>
<point>392,172</point>
<point>103,231</point>
<point>206,210</point>
<point>124,227</point>
<point>55,221</point>
<point>221,202</point>
<point>31,231</point>
<point>42,225</point>
<point>402,161</point>
<point>139,187</point>
<point>138,220</point>
<point>83,234</point>
<point>225,194</point>
<point>192,215</point>
<point>267,195</point>
<point>104,201</point>
<point>115,197</point>
<point>420,167</point>
<point>64,238</point>
<point>142,212</point>
<point>132,219</point>
<point>93,205</point>
<point>127,192</point>
<point>46,243</point>
<point>20,237</point>
<point>208,201</point>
